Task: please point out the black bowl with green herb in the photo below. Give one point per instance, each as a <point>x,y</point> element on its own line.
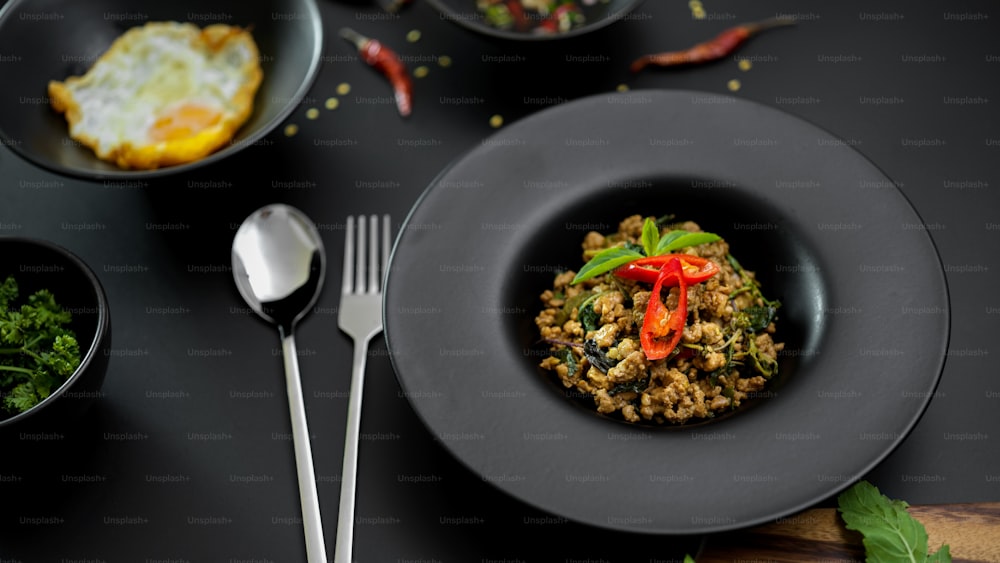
<point>55,336</point>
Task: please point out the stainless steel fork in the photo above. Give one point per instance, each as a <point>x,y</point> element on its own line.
<point>360,316</point>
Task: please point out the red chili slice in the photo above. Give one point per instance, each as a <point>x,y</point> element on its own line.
<point>695,269</point>
<point>662,328</point>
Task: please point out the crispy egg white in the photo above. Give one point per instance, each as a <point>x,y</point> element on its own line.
<point>163,94</point>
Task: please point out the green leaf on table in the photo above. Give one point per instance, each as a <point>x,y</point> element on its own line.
<point>889,532</point>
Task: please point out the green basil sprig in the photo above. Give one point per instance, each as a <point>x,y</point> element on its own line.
<point>652,245</point>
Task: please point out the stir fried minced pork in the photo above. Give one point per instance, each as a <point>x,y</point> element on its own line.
<point>726,353</point>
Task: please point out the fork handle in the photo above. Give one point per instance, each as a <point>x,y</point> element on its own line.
<point>308,496</point>
<point>348,477</point>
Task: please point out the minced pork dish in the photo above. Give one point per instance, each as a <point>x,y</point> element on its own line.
<point>660,325</point>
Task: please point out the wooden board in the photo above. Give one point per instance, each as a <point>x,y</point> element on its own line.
<point>972,531</point>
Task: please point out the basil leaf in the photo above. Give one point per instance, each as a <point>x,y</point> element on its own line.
<point>629,245</point>
<point>598,358</point>
<point>567,357</point>
<point>637,386</point>
<point>589,318</point>
<point>677,239</point>
<point>757,318</point>
<point>650,237</point>
<point>605,261</point>
<point>889,532</point>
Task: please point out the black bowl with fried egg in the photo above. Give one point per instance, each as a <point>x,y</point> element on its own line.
<point>43,40</point>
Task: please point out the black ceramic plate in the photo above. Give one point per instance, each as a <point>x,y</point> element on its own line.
<point>43,40</point>
<point>865,314</point>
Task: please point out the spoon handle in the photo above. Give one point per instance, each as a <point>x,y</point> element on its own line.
<point>308,497</point>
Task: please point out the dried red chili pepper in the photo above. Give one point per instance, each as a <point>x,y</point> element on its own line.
<point>716,48</point>
<point>661,328</point>
<point>375,54</point>
<point>695,269</point>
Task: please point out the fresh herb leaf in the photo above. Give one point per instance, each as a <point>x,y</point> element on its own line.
<point>677,239</point>
<point>637,386</point>
<point>637,248</point>
<point>567,357</point>
<point>8,292</point>
<point>586,314</point>
<point>38,351</point>
<point>889,532</point>
<point>765,365</point>
<point>571,303</point>
<point>605,261</point>
<point>589,318</point>
<point>650,237</point>
<point>652,245</point>
<point>755,318</point>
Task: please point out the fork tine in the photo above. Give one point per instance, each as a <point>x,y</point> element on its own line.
<point>359,272</point>
<point>373,258</point>
<point>347,285</point>
<point>386,244</point>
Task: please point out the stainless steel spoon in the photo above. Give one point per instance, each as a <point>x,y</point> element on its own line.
<point>279,265</point>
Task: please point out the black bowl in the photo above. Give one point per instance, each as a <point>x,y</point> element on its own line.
<point>600,15</point>
<point>43,40</point>
<point>39,264</point>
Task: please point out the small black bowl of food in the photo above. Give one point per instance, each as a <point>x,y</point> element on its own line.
<point>128,89</point>
<point>534,20</point>
<point>55,336</point>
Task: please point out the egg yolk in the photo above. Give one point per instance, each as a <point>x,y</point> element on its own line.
<point>183,121</point>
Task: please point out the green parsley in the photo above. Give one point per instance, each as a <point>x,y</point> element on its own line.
<point>653,244</point>
<point>38,351</point>
<point>889,532</point>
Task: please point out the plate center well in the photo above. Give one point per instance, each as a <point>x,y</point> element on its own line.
<point>763,242</point>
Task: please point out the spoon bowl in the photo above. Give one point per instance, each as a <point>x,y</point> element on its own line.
<point>279,265</point>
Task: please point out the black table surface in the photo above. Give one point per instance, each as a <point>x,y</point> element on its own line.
<point>187,455</point>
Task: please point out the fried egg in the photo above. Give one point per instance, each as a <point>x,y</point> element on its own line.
<point>163,94</point>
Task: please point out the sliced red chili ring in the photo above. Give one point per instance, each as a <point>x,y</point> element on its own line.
<point>661,328</point>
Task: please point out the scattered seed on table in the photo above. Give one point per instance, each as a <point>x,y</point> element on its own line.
<point>496,121</point>
<point>413,35</point>
<point>444,61</point>
<point>343,88</point>
<point>291,129</point>
<point>331,103</point>
<point>697,9</point>
<point>745,64</point>
<point>421,71</point>
<point>312,113</point>
<point>733,85</point>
